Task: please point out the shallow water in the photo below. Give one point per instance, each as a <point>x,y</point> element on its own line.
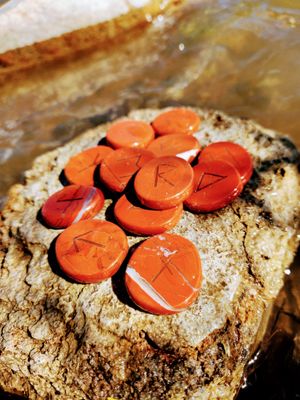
<point>242,57</point>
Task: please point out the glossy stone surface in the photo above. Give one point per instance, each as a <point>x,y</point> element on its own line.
<point>91,251</point>
<point>72,204</point>
<point>164,275</point>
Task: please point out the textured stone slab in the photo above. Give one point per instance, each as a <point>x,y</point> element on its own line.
<point>65,340</point>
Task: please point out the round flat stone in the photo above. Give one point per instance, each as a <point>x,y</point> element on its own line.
<point>119,167</point>
<point>80,168</point>
<point>129,133</point>
<point>186,147</point>
<point>135,218</point>
<point>216,184</point>
<point>72,204</point>
<point>163,275</point>
<point>164,182</point>
<point>232,153</point>
<point>180,121</point>
<point>91,251</point>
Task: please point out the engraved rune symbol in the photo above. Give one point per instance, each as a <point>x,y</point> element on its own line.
<point>69,202</point>
<point>207,180</point>
<point>114,174</point>
<point>80,238</point>
<point>72,199</point>
<point>82,244</point>
<point>96,161</point>
<point>160,171</point>
<point>165,266</point>
<point>136,164</point>
<point>169,265</point>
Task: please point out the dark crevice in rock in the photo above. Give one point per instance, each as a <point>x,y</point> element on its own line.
<point>251,199</point>
<point>293,157</point>
<point>150,342</point>
<point>282,172</point>
<point>254,181</point>
<point>268,165</point>
<point>221,122</point>
<point>4,251</point>
<point>287,142</point>
<point>267,215</point>
<point>247,256</point>
<point>263,138</point>
<point>248,197</point>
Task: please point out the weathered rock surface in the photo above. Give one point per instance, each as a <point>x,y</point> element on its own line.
<point>63,340</point>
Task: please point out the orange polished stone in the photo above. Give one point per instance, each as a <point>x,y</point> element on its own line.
<point>183,146</point>
<point>91,251</point>
<point>163,275</point>
<point>80,168</point>
<point>232,153</point>
<point>216,184</point>
<point>137,219</point>
<point>164,182</point>
<point>130,133</point>
<point>180,121</point>
<point>119,167</point>
<point>72,204</point>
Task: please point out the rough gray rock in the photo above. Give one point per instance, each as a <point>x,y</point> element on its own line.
<point>63,340</point>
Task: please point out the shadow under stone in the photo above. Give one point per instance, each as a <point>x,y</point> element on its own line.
<point>54,264</point>
<point>63,179</point>
<point>118,283</point>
